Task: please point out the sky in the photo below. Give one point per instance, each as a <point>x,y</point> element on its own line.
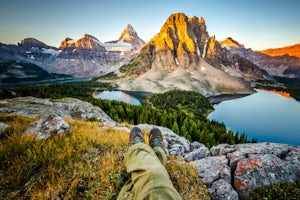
<point>258,24</point>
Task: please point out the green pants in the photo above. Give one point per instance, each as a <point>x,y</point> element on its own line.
<point>149,178</point>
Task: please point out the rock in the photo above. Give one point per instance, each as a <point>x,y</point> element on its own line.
<point>195,145</point>
<point>197,154</point>
<point>222,190</point>
<point>240,151</point>
<point>210,168</point>
<point>226,174</point>
<point>184,142</point>
<point>260,171</point>
<point>221,149</point>
<point>49,126</point>
<point>251,165</point>
<point>3,126</point>
<point>68,107</point>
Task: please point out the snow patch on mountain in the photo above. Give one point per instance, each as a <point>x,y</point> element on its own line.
<point>117,46</point>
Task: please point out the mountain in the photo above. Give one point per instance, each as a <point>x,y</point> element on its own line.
<point>31,43</point>
<point>183,56</point>
<point>130,36</point>
<point>293,50</point>
<point>90,58</point>
<point>86,42</point>
<point>231,43</point>
<point>82,57</point>
<point>86,47</point>
<point>276,65</point>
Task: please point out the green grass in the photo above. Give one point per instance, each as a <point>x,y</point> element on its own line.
<point>130,66</point>
<point>278,191</point>
<point>88,164</point>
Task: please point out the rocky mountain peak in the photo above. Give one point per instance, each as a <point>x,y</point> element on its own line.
<point>31,42</point>
<point>129,35</point>
<point>88,42</point>
<point>90,37</point>
<point>180,42</point>
<point>66,42</point>
<point>178,18</point>
<point>229,42</point>
<point>85,42</point>
<point>202,21</point>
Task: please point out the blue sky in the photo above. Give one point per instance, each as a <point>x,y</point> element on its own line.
<point>258,24</point>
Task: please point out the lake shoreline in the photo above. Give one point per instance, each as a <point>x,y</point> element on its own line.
<point>224,97</point>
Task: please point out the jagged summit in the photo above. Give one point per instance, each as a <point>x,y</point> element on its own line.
<point>202,21</point>
<point>86,42</point>
<point>129,35</point>
<point>229,42</point>
<point>32,42</point>
<point>180,42</point>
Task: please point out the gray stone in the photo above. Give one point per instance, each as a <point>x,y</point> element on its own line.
<point>226,174</point>
<point>197,154</point>
<point>221,189</point>
<point>49,126</point>
<point>195,145</point>
<point>260,171</point>
<point>210,168</point>
<point>3,126</point>
<point>68,107</point>
<point>221,149</point>
<point>176,150</point>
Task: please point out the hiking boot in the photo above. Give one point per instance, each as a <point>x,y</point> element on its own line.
<point>156,138</point>
<point>136,136</point>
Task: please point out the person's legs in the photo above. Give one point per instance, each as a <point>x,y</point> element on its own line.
<point>149,178</point>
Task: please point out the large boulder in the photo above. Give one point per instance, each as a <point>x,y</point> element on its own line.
<point>257,165</point>
<point>67,107</point>
<point>211,168</point>
<point>222,190</point>
<point>260,171</point>
<point>49,126</point>
<point>3,126</point>
<point>197,154</point>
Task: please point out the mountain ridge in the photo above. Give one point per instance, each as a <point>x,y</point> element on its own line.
<point>291,50</point>
<point>82,57</point>
<point>277,65</point>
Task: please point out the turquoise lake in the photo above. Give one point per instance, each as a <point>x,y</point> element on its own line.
<point>264,115</point>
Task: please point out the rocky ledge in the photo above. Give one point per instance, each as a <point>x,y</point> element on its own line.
<point>233,171</point>
<point>67,107</point>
